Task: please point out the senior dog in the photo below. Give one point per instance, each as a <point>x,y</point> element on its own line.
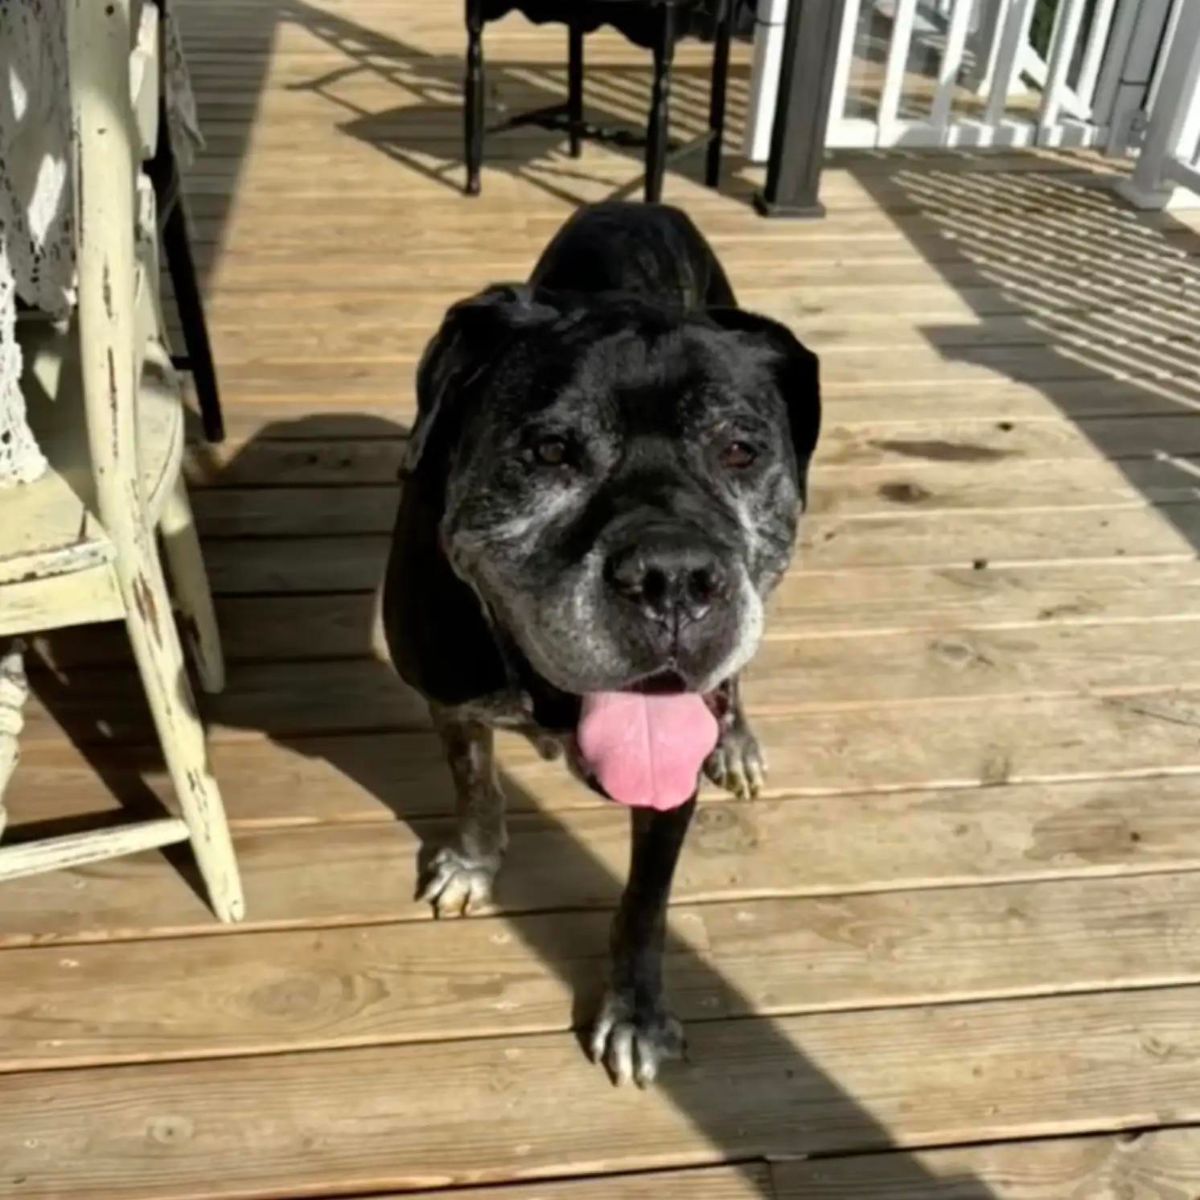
<point>602,487</point>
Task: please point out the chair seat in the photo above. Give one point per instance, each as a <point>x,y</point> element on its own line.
<point>637,20</point>
<point>51,528</point>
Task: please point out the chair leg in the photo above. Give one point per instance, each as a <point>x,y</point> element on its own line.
<point>473,97</point>
<point>14,692</point>
<point>575,89</point>
<point>159,656</point>
<point>178,252</point>
<point>189,580</point>
<point>716,99</point>
<point>658,130</point>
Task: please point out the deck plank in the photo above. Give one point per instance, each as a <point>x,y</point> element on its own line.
<point>951,539</point>
<point>868,672</point>
<point>883,489</point>
<point>907,444</point>
<point>1163,1163</point>
<point>365,872</point>
<point>749,1181</point>
<point>370,777</point>
<point>807,604</point>
<point>363,400</point>
<point>824,1083</point>
<point>272,992</point>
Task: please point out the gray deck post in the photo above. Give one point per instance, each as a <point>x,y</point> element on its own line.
<point>810,44</point>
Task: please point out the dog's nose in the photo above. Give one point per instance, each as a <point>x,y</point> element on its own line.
<point>671,578</point>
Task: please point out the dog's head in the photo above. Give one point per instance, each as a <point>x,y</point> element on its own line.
<point>621,485</point>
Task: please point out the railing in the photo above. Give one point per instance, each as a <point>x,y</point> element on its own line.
<point>979,79</point>
<point>1170,153</point>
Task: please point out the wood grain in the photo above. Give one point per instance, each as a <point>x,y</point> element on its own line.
<point>799,1085</point>
<point>299,698</point>
<point>749,1181</point>
<point>371,777</point>
<point>807,604</point>
<point>905,444</point>
<point>320,875</point>
<point>883,489</point>
<point>950,539</point>
<point>271,992</point>
<point>1161,1164</point>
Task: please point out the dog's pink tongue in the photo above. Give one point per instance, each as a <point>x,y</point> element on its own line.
<point>646,751</point>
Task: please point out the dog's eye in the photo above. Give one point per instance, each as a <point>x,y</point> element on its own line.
<point>552,451</point>
<point>738,455</point>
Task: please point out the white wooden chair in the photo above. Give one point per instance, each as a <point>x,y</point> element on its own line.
<point>80,545</point>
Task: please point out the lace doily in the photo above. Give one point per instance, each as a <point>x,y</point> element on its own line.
<point>37,253</point>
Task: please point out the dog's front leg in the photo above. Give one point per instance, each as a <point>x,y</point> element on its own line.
<point>460,876</point>
<point>634,1031</point>
<point>737,764</point>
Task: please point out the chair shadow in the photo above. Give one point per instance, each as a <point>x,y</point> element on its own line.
<point>1078,296</point>
<point>423,130</point>
<point>749,1089</point>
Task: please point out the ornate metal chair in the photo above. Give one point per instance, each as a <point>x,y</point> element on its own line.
<point>655,24</point>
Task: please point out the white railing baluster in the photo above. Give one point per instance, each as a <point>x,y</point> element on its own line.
<point>1093,54</point>
<point>769,18</point>
<point>1184,167</point>
<point>845,56</point>
<point>897,63</point>
<point>1174,119</point>
<point>1067,22</point>
<point>952,56</point>
<point>985,41</point>
<point>1014,36</point>
<point>1108,39</point>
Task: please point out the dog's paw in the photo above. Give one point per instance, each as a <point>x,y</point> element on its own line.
<point>631,1044</point>
<point>737,764</point>
<point>458,885</point>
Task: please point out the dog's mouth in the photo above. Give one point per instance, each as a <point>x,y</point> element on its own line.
<point>662,683</point>
<point>645,746</point>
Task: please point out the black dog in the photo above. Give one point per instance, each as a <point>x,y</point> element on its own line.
<point>602,487</point>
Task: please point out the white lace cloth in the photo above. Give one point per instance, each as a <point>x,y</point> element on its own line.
<point>37,253</point>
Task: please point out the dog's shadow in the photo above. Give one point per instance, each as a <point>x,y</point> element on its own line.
<point>748,1087</point>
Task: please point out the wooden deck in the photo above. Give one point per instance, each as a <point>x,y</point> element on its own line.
<point>953,954</point>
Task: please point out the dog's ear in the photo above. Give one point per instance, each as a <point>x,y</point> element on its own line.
<point>440,639</point>
<point>472,335</point>
<point>796,369</point>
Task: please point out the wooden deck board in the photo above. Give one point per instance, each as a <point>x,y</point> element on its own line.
<point>950,540</point>
<point>362,872</point>
<point>807,604</point>
<point>750,1181</point>
<point>492,1109</point>
<point>385,984</point>
<point>1047,485</point>
<point>372,777</point>
<point>988,444</point>
<point>356,403</point>
<point>965,909</point>
<point>1163,1163</point>
<point>860,673</point>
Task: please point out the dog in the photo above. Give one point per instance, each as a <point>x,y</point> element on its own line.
<point>601,489</point>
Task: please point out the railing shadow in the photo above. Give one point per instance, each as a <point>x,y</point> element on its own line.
<point>1070,288</point>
